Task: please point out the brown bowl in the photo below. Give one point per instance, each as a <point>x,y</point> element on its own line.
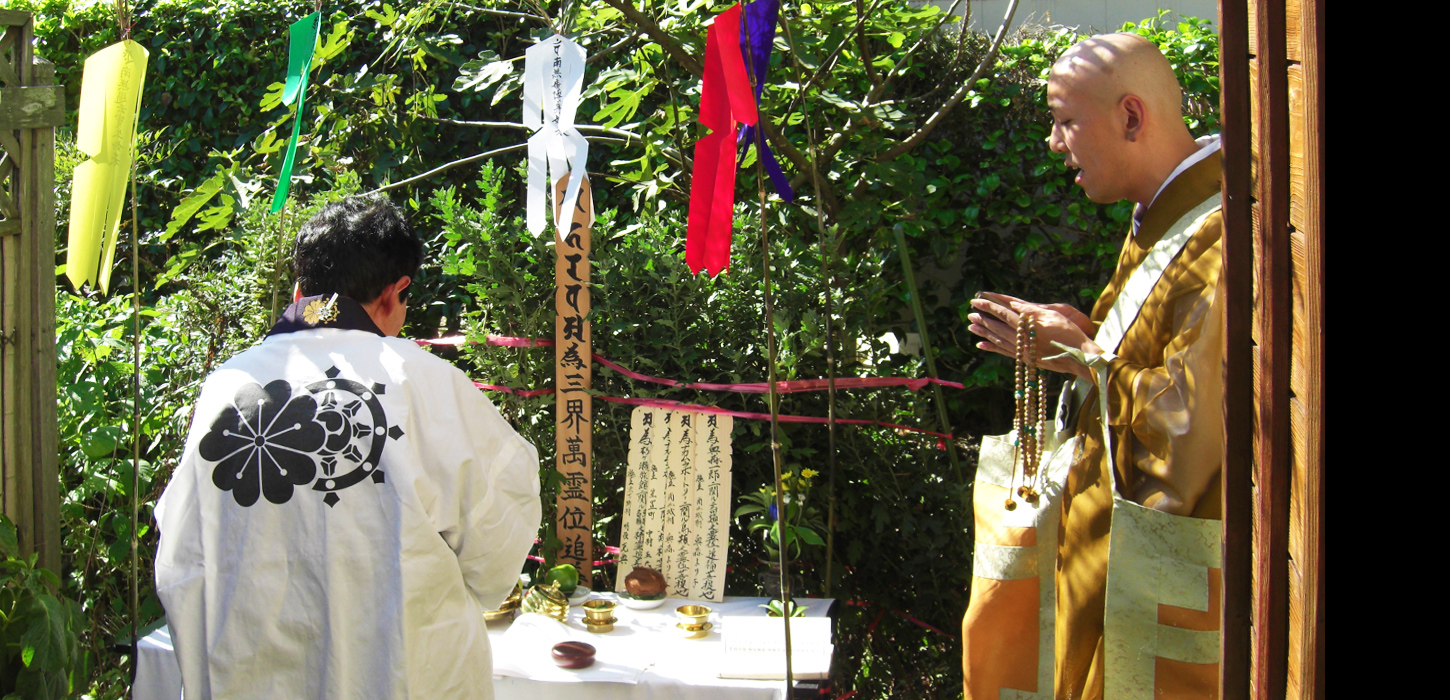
<point>574,655</point>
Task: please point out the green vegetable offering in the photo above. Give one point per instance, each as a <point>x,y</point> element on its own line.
<point>566,575</point>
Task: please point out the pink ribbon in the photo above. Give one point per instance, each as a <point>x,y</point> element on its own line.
<point>716,410</point>
<point>784,387</point>
<point>499,340</point>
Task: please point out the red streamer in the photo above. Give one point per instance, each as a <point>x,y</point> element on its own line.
<point>725,99</point>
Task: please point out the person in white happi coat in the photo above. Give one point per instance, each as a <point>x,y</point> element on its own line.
<point>347,505</point>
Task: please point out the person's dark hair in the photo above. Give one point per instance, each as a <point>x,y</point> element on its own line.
<point>355,248</point>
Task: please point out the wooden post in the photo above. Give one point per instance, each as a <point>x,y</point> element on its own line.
<point>30,109</point>
<point>1237,277</point>
<point>1310,560</point>
<point>1275,323</point>
<point>573,370</point>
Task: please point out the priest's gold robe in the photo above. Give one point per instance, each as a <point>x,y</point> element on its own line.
<point>1165,412</point>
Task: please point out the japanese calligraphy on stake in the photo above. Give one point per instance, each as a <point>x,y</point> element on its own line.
<point>110,101</point>
<point>553,80</point>
<point>677,500</point>
<point>573,406</point>
<point>725,99</point>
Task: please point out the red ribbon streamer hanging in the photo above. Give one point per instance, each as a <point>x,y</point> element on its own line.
<point>725,99</point>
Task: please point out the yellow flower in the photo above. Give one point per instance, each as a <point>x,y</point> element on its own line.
<point>809,473</point>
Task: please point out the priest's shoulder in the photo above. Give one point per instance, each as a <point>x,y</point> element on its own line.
<point>419,357</point>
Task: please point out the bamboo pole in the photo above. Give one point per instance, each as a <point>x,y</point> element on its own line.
<point>782,525</point>
<point>941,401</point>
<point>828,288</point>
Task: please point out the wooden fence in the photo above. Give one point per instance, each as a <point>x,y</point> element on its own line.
<point>30,109</point>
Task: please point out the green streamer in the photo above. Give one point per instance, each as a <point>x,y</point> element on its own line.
<point>303,35</point>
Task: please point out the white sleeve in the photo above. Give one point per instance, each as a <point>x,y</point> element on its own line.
<point>496,490</point>
<point>180,569</point>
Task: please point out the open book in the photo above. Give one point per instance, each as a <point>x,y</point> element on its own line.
<point>755,647</point>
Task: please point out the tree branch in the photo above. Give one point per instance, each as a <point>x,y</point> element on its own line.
<point>803,165</point>
<point>616,47</point>
<point>619,135</point>
<point>922,41</point>
<point>502,13</point>
<point>659,36</point>
<point>445,166</point>
<point>829,61</point>
<point>861,46</point>
<point>583,128</point>
<point>987,61</point>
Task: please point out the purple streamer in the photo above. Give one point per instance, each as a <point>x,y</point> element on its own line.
<point>756,42</point>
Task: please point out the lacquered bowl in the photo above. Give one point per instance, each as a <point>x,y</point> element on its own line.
<point>573,655</point>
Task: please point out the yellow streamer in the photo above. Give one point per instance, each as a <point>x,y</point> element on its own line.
<point>110,105</point>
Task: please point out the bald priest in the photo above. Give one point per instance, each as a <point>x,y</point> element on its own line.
<point>1149,357</point>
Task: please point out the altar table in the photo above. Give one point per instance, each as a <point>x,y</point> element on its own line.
<point>644,646</point>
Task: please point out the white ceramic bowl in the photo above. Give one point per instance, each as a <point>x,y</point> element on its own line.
<point>636,604</point>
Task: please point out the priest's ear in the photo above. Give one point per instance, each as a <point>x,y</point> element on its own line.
<point>1134,112</point>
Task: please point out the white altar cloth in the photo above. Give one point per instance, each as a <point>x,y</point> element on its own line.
<point>671,667</point>
<point>644,648</point>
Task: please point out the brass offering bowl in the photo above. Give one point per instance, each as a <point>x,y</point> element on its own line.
<point>547,600</point>
<point>599,616</point>
<point>506,611</point>
<point>694,622</point>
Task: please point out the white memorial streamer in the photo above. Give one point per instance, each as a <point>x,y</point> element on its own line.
<point>553,81</point>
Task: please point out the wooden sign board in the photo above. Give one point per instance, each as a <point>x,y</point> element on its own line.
<point>573,370</point>
<point>677,500</point>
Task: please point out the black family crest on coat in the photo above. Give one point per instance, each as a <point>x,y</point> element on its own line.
<point>271,440</point>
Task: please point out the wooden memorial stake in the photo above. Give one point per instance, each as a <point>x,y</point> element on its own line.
<point>573,407</point>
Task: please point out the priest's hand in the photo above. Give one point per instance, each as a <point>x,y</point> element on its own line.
<point>995,320</point>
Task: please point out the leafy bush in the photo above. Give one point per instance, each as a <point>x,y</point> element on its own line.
<point>42,657</point>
